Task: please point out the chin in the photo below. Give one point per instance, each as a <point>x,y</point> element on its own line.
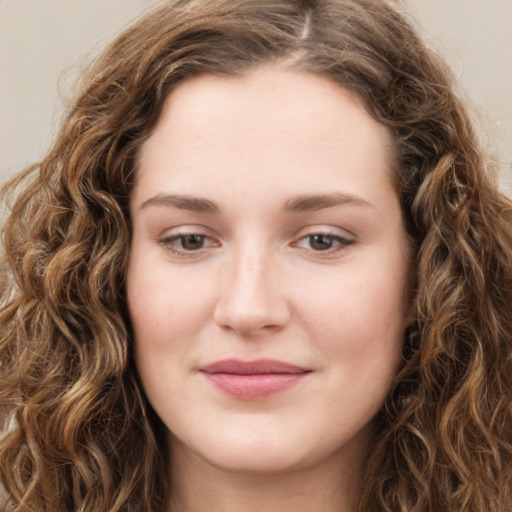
<point>252,461</point>
<point>245,450</point>
<point>254,452</point>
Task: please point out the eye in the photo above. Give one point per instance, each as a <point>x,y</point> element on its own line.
<point>187,243</point>
<point>191,242</point>
<point>323,242</point>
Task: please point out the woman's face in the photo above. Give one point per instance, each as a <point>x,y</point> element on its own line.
<point>268,271</point>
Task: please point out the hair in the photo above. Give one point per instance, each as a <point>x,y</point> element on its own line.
<point>78,433</point>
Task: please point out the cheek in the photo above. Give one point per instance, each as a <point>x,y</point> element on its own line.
<point>160,324</point>
<point>359,318</point>
<point>167,312</point>
<point>162,302</point>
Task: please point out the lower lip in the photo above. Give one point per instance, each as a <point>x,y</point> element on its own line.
<point>252,387</point>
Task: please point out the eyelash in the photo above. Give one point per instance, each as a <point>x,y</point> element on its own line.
<point>340,243</point>
<point>167,243</point>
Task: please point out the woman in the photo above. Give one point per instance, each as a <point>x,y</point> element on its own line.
<point>264,265</point>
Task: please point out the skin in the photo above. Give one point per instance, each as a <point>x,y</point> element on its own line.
<point>255,282</point>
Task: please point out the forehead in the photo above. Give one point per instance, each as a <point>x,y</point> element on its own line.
<point>270,124</point>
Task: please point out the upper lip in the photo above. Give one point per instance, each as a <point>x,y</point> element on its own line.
<point>257,367</point>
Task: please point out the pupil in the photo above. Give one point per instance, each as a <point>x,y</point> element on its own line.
<point>191,242</point>
<point>320,242</point>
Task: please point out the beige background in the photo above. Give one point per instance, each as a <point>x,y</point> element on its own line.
<point>44,43</point>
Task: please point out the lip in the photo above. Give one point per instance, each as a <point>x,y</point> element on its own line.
<point>251,380</point>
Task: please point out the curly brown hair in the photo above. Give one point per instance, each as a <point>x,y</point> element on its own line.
<point>77,431</point>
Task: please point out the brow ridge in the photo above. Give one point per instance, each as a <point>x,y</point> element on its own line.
<point>314,202</point>
<point>183,202</point>
<point>302,203</point>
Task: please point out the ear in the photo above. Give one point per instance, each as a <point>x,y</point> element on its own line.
<point>411,295</point>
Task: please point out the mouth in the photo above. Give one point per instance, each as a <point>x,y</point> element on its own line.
<point>252,380</point>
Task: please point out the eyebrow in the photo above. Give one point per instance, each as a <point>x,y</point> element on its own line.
<point>194,204</point>
<point>308,203</point>
<point>303,203</point>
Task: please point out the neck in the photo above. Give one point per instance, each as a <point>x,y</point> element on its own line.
<point>326,486</point>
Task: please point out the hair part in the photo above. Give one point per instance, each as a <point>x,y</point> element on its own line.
<point>82,436</point>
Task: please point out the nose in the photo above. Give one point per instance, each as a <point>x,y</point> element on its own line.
<point>252,299</point>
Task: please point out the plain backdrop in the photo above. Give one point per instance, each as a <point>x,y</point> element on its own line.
<point>44,45</point>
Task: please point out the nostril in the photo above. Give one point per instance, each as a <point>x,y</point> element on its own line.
<point>248,319</point>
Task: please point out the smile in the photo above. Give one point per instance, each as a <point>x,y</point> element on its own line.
<point>252,380</point>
